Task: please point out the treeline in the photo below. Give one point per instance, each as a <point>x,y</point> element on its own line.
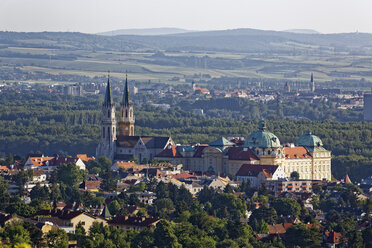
<point>273,110</point>
<point>68,125</point>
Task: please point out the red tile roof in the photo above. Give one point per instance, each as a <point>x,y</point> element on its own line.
<point>4,168</point>
<point>84,157</point>
<point>39,161</point>
<point>37,173</point>
<point>91,184</point>
<point>241,153</point>
<point>255,169</point>
<point>296,152</point>
<point>183,176</point>
<point>170,152</point>
<point>277,229</point>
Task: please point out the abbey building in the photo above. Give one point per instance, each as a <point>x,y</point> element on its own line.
<point>124,144</point>
<point>261,149</point>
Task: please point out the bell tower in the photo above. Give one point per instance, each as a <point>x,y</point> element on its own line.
<point>108,125</point>
<point>126,124</point>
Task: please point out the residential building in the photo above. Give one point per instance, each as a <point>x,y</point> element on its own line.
<point>49,164</point>
<point>68,220</point>
<point>258,174</point>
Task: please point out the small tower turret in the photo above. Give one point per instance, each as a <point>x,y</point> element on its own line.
<point>126,124</point>
<point>312,83</point>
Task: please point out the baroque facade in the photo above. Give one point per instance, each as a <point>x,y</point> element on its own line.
<point>124,145</point>
<point>307,156</point>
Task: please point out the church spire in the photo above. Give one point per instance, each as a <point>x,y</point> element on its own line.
<point>126,98</point>
<point>108,96</point>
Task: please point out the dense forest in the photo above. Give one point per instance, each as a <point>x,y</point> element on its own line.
<point>69,125</point>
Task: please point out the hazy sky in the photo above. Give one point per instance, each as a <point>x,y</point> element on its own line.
<point>91,16</point>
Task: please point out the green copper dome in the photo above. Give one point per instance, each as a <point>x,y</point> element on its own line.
<point>309,140</point>
<point>262,139</point>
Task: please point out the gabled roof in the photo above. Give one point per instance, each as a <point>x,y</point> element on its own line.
<point>127,141</point>
<point>199,151</point>
<point>277,229</point>
<point>221,142</point>
<point>84,157</point>
<point>37,173</point>
<point>241,153</point>
<point>252,170</point>
<point>156,142</point>
<point>297,152</point>
<point>170,152</point>
<point>183,176</point>
<point>61,214</point>
<point>39,161</point>
<point>148,141</point>
<point>57,161</point>
<point>92,184</point>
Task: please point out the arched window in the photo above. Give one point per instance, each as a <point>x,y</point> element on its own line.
<point>103,132</point>
<point>269,152</point>
<point>130,113</point>
<point>108,132</point>
<point>108,114</point>
<point>126,113</point>
<point>132,130</point>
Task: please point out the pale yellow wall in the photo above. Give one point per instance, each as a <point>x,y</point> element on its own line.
<point>86,220</point>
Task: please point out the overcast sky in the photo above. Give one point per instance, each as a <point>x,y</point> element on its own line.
<point>91,16</point>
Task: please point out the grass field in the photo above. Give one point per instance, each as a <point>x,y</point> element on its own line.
<point>143,66</point>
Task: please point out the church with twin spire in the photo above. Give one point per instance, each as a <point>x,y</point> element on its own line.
<point>124,145</point>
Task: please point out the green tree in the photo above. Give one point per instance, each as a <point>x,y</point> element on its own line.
<point>17,234</point>
<point>295,175</point>
<point>164,235</point>
<point>269,215</point>
<point>4,198</point>
<point>144,239</point>
<point>301,236</point>
<point>285,207</point>
<point>367,237</point>
<point>22,178</point>
<point>9,159</point>
<point>70,175</point>
<point>114,207</point>
<point>57,238</point>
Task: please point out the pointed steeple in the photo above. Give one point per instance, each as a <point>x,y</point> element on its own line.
<point>126,98</point>
<point>108,96</point>
<point>106,213</point>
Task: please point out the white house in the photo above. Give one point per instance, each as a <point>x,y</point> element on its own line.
<point>258,174</point>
